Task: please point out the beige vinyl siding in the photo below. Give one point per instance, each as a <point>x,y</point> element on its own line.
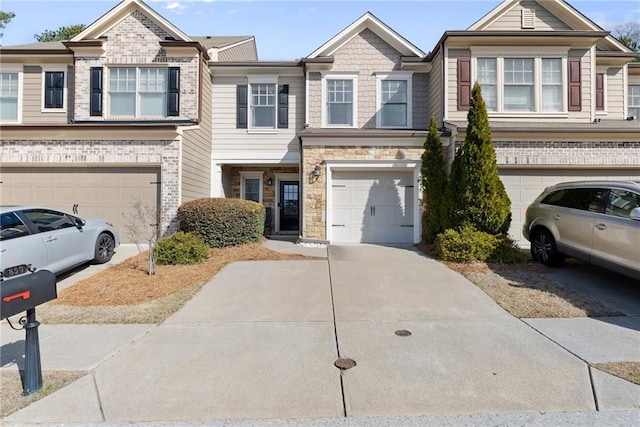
<point>32,111</point>
<point>196,149</point>
<point>420,103</point>
<point>243,52</point>
<point>452,86</point>
<point>615,94</point>
<point>434,88</point>
<point>512,19</point>
<point>232,144</point>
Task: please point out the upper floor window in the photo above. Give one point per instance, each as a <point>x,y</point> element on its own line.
<point>634,101</point>
<point>522,84</point>
<point>394,100</point>
<point>54,88</point>
<point>138,92</point>
<point>263,105</point>
<point>340,96</point>
<point>9,96</point>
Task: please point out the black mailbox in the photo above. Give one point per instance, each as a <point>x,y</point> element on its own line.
<point>25,292</point>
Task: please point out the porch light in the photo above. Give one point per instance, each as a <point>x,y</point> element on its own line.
<point>270,182</point>
<point>316,171</point>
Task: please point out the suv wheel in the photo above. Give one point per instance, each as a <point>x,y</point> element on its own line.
<point>543,248</point>
<point>105,247</point>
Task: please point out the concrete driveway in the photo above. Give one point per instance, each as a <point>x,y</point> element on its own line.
<point>261,338</point>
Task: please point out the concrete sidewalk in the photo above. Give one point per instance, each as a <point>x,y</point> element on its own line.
<point>259,342</point>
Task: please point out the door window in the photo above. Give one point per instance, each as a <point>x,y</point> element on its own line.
<point>48,220</point>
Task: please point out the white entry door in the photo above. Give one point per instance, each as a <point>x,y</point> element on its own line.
<point>372,207</point>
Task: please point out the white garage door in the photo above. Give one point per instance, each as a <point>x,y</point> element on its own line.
<point>524,185</point>
<point>99,192</point>
<point>372,207</point>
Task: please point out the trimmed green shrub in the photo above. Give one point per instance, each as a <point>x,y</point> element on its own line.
<point>466,245</point>
<point>223,222</point>
<point>180,248</point>
<point>507,251</point>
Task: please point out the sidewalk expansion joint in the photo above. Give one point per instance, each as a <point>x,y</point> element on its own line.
<point>335,332</point>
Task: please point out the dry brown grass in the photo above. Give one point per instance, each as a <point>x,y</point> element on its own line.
<point>527,290</point>
<point>629,371</point>
<point>11,399</point>
<point>126,293</point>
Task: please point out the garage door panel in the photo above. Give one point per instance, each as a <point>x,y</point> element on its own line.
<point>100,192</point>
<point>372,206</point>
<point>524,185</point>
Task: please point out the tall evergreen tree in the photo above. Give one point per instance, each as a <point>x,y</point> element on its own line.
<point>479,198</point>
<point>434,181</point>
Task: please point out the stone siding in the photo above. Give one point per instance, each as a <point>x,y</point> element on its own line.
<point>315,189</point>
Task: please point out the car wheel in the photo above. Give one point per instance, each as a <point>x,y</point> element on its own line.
<point>543,248</point>
<point>105,246</point>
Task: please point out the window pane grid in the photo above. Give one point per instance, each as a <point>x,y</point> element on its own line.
<point>488,80</point>
<point>340,102</point>
<point>394,103</point>
<point>263,105</point>
<point>9,97</point>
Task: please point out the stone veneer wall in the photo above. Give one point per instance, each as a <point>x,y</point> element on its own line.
<point>135,42</point>
<point>315,190</point>
<point>162,153</point>
<point>268,191</point>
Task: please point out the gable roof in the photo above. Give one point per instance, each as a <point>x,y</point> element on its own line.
<point>382,30</point>
<point>121,11</point>
<point>561,9</point>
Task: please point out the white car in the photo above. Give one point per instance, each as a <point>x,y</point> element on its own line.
<point>38,238</point>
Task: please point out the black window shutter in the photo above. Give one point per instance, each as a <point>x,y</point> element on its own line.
<point>53,89</point>
<point>241,106</point>
<point>95,101</point>
<point>173,94</point>
<point>283,106</point>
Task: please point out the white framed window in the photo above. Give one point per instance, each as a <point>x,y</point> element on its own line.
<point>54,89</point>
<point>394,100</point>
<point>251,185</point>
<point>10,95</point>
<point>523,85</point>
<point>339,96</point>
<point>263,102</point>
<point>138,91</point>
<point>634,101</point>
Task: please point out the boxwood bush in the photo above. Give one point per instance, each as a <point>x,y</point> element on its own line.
<point>180,248</point>
<point>223,222</point>
<point>470,245</point>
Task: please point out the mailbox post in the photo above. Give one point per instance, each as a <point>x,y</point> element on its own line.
<point>24,293</point>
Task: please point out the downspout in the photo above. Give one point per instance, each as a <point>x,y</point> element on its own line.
<point>301,192</point>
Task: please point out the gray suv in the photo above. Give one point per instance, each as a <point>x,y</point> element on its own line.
<point>594,221</point>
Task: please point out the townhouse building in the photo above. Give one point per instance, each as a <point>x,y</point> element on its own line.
<point>134,109</point>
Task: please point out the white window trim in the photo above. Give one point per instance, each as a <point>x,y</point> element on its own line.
<point>11,68</point>
<point>261,79</point>
<point>337,75</point>
<point>604,112</point>
<point>628,104</point>
<point>137,115</point>
<point>251,175</point>
<point>64,90</point>
<point>406,76</point>
<point>500,54</point>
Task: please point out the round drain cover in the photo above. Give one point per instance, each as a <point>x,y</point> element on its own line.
<point>344,363</point>
<point>402,333</point>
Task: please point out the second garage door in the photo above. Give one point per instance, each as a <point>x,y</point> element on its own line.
<point>524,185</point>
<point>372,207</point>
<point>99,192</point>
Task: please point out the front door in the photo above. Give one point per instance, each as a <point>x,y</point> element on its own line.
<point>289,206</point>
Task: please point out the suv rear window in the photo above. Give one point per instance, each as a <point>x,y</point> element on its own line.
<point>585,199</point>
